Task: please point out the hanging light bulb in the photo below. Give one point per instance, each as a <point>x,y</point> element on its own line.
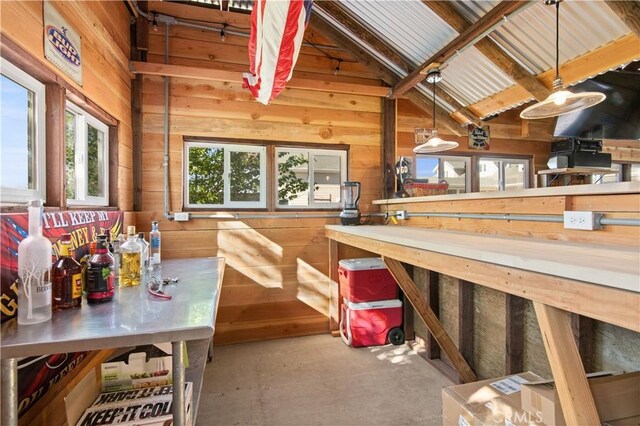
<point>337,70</point>
<point>433,143</point>
<point>155,23</point>
<point>561,101</point>
<point>223,36</point>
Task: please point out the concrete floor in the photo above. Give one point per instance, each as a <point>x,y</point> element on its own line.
<point>318,380</point>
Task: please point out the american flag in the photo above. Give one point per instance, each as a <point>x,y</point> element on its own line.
<point>277,29</point>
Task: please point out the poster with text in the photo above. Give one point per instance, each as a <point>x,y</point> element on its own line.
<point>62,44</point>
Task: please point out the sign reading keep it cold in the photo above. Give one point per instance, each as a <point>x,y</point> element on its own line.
<point>62,44</point>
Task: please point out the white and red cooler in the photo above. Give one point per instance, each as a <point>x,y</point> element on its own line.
<point>371,314</point>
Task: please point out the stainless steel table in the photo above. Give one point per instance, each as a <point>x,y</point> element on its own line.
<point>133,318</point>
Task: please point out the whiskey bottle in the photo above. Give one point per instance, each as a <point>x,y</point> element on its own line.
<point>144,255</point>
<point>66,278</point>
<point>100,274</point>
<point>130,261</point>
<point>84,262</point>
<point>34,268</point>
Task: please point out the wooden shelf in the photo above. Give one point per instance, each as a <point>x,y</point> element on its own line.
<point>580,171</point>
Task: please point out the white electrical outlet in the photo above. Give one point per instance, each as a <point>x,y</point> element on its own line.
<point>181,216</point>
<point>401,214</point>
<point>582,220</point>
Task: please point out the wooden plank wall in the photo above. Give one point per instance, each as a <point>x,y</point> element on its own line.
<point>104,28</point>
<point>276,282</point>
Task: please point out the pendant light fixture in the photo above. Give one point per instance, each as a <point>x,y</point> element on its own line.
<point>434,143</point>
<point>561,101</point>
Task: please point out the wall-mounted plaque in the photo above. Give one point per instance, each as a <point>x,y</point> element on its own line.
<point>62,44</point>
<point>479,137</point>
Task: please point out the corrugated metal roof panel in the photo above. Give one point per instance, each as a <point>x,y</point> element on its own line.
<point>470,77</point>
<point>410,26</point>
<point>529,36</point>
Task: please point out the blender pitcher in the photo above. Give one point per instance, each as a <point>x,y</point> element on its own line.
<point>350,214</point>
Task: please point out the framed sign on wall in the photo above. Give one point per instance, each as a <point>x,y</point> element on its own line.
<point>479,137</point>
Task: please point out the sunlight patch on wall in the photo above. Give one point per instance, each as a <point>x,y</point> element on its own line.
<point>313,287</point>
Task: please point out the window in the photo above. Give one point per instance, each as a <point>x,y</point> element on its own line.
<point>86,158</point>
<point>22,140</point>
<point>225,175</point>
<point>310,178</point>
<point>502,174</point>
<point>452,169</point>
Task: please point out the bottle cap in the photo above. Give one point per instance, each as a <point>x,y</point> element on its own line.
<point>102,237</point>
<point>65,238</point>
<point>141,234</point>
<point>131,230</point>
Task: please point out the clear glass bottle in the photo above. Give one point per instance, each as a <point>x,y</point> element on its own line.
<point>34,269</point>
<point>130,262</point>
<point>100,274</point>
<point>144,255</point>
<point>114,249</point>
<point>66,277</point>
<point>154,244</point>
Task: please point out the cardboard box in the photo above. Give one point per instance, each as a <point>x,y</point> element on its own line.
<point>136,373</point>
<point>471,403</point>
<point>629,421</point>
<point>616,397</point>
<point>148,406</point>
<point>508,412</point>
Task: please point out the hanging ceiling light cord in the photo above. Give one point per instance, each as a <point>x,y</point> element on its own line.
<point>557,40</point>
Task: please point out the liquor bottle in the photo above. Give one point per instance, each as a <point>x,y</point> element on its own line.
<point>100,274</point>
<point>66,277</point>
<point>114,249</point>
<point>154,243</point>
<point>130,262</point>
<point>84,262</point>
<point>144,255</point>
<point>34,267</point>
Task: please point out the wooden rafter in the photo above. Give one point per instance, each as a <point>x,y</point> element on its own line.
<point>381,70</point>
<point>485,23</point>
<point>610,56</point>
<point>628,12</point>
<point>491,50</point>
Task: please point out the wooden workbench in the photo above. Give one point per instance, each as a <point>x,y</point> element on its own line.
<point>559,277</point>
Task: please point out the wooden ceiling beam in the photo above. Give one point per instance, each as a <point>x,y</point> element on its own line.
<point>383,72</point>
<point>485,23</point>
<point>628,12</point>
<point>491,50</point>
<point>603,59</point>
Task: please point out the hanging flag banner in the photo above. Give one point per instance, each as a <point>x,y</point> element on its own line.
<point>277,30</point>
<point>62,44</point>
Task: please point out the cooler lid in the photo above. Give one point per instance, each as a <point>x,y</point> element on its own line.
<point>363,263</point>
<point>378,304</point>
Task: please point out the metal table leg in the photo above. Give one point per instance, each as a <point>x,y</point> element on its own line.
<point>10,392</point>
<point>179,415</point>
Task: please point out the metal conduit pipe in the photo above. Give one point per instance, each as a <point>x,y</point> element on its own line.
<point>492,216</point>
<point>237,216</point>
<point>622,221</point>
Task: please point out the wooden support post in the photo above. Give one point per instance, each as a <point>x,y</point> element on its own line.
<point>335,301</point>
<point>514,324</point>
<point>432,294</point>
<point>422,308</point>
<point>465,320</point>
<point>389,123</point>
<point>55,146</point>
<point>407,308</point>
<point>569,375</point>
<point>583,333</point>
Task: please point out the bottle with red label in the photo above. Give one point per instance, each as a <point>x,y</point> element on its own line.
<point>66,278</point>
<point>100,274</point>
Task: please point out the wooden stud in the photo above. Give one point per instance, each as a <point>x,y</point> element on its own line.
<point>335,300</point>
<point>465,320</point>
<point>514,324</point>
<point>569,375</point>
<point>113,166</point>
<point>55,146</point>
<point>407,308</point>
<point>424,311</point>
<point>389,123</point>
<point>432,296</point>
<point>136,125</point>
<point>584,335</point>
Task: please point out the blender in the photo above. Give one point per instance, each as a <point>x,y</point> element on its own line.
<point>350,214</point>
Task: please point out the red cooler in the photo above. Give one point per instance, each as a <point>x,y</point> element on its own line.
<point>371,323</point>
<point>366,280</point>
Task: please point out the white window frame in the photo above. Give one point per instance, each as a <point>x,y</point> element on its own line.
<point>11,195</point>
<point>501,170</point>
<point>83,120</point>
<point>228,148</point>
<point>312,152</point>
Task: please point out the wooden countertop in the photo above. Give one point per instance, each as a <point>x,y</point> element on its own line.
<point>597,264</point>
<point>601,189</point>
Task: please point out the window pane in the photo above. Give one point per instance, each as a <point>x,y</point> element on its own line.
<point>95,162</point>
<point>293,178</point>
<point>206,167</point>
<point>244,176</point>
<point>635,172</point>
<point>489,171</point>
<point>514,176</point>
<point>326,179</point>
<point>18,135</point>
<point>427,168</point>
<point>455,173</point>
<point>70,153</point>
